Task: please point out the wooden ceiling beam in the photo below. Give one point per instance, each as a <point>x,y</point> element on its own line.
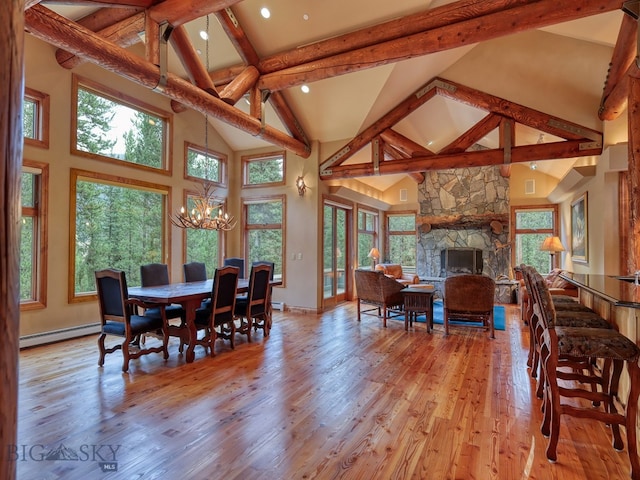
<point>521,114</point>
<point>124,33</point>
<point>407,146</point>
<point>179,12</point>
<point>400,27</point>
<point>394,154</point>
<point>411,103</point>
<point>520,154</point>
<point>188,56</point>
<point>248,53</point>
<point>616,87</point>
<point>537,14</point>
<point>473,135</point>
<point>507,130</point>
<point>142,4</point>
<point>58,31</point>
<point>240,85</point>
<point>237,36</point>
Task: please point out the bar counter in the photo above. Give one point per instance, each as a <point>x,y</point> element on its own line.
<point>618,292</point>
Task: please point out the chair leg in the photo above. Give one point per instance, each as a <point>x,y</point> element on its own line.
<point>125,354</point>
<point>358,309</point>
<point>102,349</point>
<point>631,417</point>
<point>445,320</point>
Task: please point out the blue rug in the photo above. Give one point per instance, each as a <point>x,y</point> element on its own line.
<point>498,316</point>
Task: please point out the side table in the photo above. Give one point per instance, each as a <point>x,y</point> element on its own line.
<point>418,299</point>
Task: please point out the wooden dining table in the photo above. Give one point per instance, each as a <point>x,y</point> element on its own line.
<point>190,295</point>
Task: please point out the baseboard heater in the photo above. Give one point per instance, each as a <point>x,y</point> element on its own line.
<point>278,306</point>
<point>58,335</point>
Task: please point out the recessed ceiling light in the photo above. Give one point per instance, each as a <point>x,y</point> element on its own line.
<point>305,88</point>
<point>305,17</point>
<point>429,143</point>
<point>264,11</point>
<point>204,35</point>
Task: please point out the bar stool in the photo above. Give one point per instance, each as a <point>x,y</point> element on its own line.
<point>577,348</point>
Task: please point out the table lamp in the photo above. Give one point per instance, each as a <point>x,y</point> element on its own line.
<point>374,253</point>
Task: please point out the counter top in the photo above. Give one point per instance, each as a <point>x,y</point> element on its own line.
<point>619,292</point>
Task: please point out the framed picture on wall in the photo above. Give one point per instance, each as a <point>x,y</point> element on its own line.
<point>580,230</point>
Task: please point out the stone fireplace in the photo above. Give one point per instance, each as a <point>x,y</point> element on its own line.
<point>464,208</point>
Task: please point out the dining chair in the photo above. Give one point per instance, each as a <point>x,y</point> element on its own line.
<point>236,262</point>
<point>153,275</point>
<point>469,298</point>
<point>265,262</point>
<point>217,321</point>
<point>194,272</point>
<point>117,317</point>
<point>566,355</point>
<point>253,310</point>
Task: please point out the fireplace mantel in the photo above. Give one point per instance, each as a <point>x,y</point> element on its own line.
<point>426,223</point>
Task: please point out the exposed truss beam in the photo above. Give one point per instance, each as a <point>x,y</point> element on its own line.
<point>58,31</point>
<point>502,114</point>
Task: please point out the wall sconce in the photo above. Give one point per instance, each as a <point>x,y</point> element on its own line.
<point>301,185</point>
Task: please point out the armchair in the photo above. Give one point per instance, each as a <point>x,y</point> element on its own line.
<point>469,298</point>
<point>394,270</point>
<point>384,293</point>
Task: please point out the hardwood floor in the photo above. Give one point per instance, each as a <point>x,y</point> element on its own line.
<point>324,397</point>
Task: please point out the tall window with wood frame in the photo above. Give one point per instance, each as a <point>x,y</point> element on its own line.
<point>107,125</point>
<point>33,235</point>
<point>264,228</point>
<point>35,118</point>
<point>401,240</point>
<point>116,223</point>
<point>532,224</point>
<point>367,237</point>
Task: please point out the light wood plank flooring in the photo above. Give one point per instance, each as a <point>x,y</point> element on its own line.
<point>324,397</point>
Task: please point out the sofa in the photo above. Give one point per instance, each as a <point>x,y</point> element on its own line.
<point>557,286</point>
<point>394,270</point>
<point>381,293</point>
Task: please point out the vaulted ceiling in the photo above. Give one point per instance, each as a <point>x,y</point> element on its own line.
<point>361,59</point>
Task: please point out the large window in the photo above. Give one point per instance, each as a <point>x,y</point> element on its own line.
<point>263,170</point>
<point>111,126</point>
<point>532,226</point>
<point>401,240</point>
<point>202,164</point>
<point>264,232</point>
<point>35,118</point>
<point>33,235</point>
<point>116,223</point>
<point>367,237</point>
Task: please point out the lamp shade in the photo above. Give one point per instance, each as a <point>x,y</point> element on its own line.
<point>552,244</point>
<point>374,253</point>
